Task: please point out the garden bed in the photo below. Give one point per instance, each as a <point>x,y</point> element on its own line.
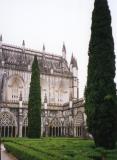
<point>56,149</point>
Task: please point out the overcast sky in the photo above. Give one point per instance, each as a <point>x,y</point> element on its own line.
<point>51,22</point>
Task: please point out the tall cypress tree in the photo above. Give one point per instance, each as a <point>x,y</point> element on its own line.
<point>100,93</point>
<point>34,104</point>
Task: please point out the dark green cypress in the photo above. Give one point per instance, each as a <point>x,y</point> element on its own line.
<point>100,93</point>
<point>34,104</point>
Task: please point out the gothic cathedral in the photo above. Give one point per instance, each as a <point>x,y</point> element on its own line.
<point>62,110</point>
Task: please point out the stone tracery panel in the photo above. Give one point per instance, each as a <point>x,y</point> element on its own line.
<point>8,124</point>
<point>55,122</point>
<point>78,124</point>
<point>7,119</point>
<point>78,119</point>
<point>54,127</point>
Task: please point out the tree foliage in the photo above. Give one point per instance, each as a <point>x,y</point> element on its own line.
<point>100,93</point>
<point>34,104</point>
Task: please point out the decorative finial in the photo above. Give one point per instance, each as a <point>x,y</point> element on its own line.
<point>23,43</point>
<point>43,48</point>
<point>1,37</point>
<point>73,62</point>
<point>64,48</point>
<point>72,59</point>
<point>64,51</point>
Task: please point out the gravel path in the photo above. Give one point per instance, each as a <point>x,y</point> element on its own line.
<point>5,155</point>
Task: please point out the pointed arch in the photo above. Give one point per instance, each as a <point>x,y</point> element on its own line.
<point>25,126</point>
<point>55,127</point>
<point>15,86</point>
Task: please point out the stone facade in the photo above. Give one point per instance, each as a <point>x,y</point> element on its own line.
<point>62,110</point>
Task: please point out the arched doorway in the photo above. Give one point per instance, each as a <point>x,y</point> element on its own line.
<point>8,124</point>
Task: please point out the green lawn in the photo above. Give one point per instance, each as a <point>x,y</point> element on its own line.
<point>56,149</point>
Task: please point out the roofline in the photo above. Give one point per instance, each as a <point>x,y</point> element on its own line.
<point>37,52</point>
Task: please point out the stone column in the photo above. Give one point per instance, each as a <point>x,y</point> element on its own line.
<point>61,130</point>
<point>74,131</point>
<point>64,132</point>
<point>46,130</point>
<point>20,129</point>
<point>55,131</point>
<point>20,116</point>
<point>52,132</point>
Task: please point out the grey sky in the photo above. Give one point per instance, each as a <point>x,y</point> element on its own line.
<point>51,22</point>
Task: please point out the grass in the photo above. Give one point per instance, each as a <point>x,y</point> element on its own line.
<point>56,149</point>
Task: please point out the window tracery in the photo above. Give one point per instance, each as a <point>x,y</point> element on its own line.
<point>15,88</point>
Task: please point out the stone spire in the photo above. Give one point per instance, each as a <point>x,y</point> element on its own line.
<point>72,59</point>
<point>23,45</point>
<point>24,53</point>
<point>73,62</point>
<point>64,51</point>
<point>43,48</point>
<point>64,48</point>
<point>0,40</point>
